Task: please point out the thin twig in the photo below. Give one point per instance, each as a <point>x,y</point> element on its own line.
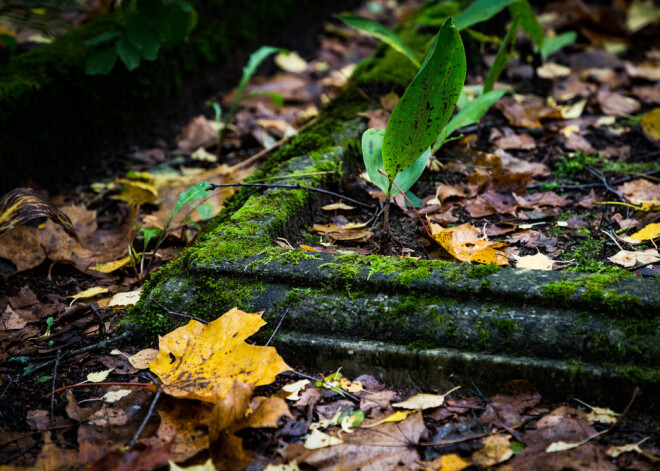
<point>93,306</point>
<point>279,323</point>
<point>213,186</point>
<point>78,385</point>
<point>602,178</point>
<point>146,419</point>
<point>174,313</point>
<point>411,205</point>
<point>52,388</point>
<point>31,369</point>
<point>325,383</point>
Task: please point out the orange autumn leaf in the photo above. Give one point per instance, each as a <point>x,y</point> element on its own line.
<point>200,361</point>
<point>463,243</point>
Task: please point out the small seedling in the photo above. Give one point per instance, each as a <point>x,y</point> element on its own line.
<point>197,192</point>
<point>423,111</point>
<point>250,68</point>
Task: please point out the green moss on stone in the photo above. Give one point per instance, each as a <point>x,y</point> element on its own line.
<point>476,272</point>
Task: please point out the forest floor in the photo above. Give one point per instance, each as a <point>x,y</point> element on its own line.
<point>562,174</point>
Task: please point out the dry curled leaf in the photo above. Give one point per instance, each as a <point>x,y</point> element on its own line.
<point>23,205</point>
<point>463,243</point>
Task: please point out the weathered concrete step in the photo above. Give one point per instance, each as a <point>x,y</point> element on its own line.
<point>444,368</point>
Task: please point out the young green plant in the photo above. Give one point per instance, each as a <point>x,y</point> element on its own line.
<point>250,68</point>
<point>197,192</point>
<point>423,111</point>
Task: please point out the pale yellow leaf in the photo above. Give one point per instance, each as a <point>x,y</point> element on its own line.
<point>551,70</point>
<point>398,416</point>
<point>561,446</point>
<point>112,266</point>
<point>208,466</point>
<point>291,62</point>
<point>114,396</point>
<point>424,401</point>
<point>648,233</point>
<point>99,376</point>
<point>535,262</point>
<point>295,389</point>
<point>651,124</point>
<point>336,206</point>
<point>627,258</point>
<point>89,293</point>
<point>318,439</point>
<point>124,300</point>
<point>142,359</point>
<point>602,415</point>
<point>293,466</point>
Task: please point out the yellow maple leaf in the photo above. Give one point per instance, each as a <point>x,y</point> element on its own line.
<point>648,233</point>
<point>463,243</point>
<point>200,361</point>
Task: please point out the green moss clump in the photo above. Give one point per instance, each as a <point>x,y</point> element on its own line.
<point>476,272</point>
<point>562,290</point>
<point>418,345</point>
<point>284,256</point>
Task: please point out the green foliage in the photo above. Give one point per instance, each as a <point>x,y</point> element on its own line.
<point>504,53</point>
<point>379,31</point>
<point>469,114</point>
<point>8,41</point>
<point>427,104</point>
<point>372,152</point>
<point>147,25</point>
<point>552,44</point>
<point>479,11</point>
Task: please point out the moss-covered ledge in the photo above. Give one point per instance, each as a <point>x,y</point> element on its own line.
<point>56,122</point>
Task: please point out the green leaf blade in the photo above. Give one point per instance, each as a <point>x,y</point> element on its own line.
<point>193,193</point>
<point>503,55</point>
<point>101,62</point>
<point>427,104</point>
<point>479,11</point>
<point>552,44</point>
<point>127,53</point>
<point>372,144</point>
<point>375,29</point>
<point>528,21</point>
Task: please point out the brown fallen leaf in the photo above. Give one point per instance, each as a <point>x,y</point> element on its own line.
<point>386,446</point>
<point>615,104</point>
<point>226,448</point>
<point>640,190</point>
<point>202,362</point>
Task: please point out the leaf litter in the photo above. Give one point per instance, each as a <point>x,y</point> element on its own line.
<point>521,187</point>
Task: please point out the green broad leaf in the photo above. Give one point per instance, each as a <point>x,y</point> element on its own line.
<point>127,53</point>
<point>469,114</point>
<point>552,44</point>
<point>372,154</point>
<point>149,233</point>
<point>503,55</point>
<point>43,379</point>
<point>194,193</point>
<point>528,21</point>
<point>469,93</point>
<point>101,62</point>
<point>375,29</point>
<point>276,97</point>
<point>253,64</point>
<point>183,4</point>
<point>427,104</point>
<point>8,41</point>
<point>480,10</point>
<point>414,199</point>
<point>142,37</point>
<point>172,24</point>
<point>103,37</point>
